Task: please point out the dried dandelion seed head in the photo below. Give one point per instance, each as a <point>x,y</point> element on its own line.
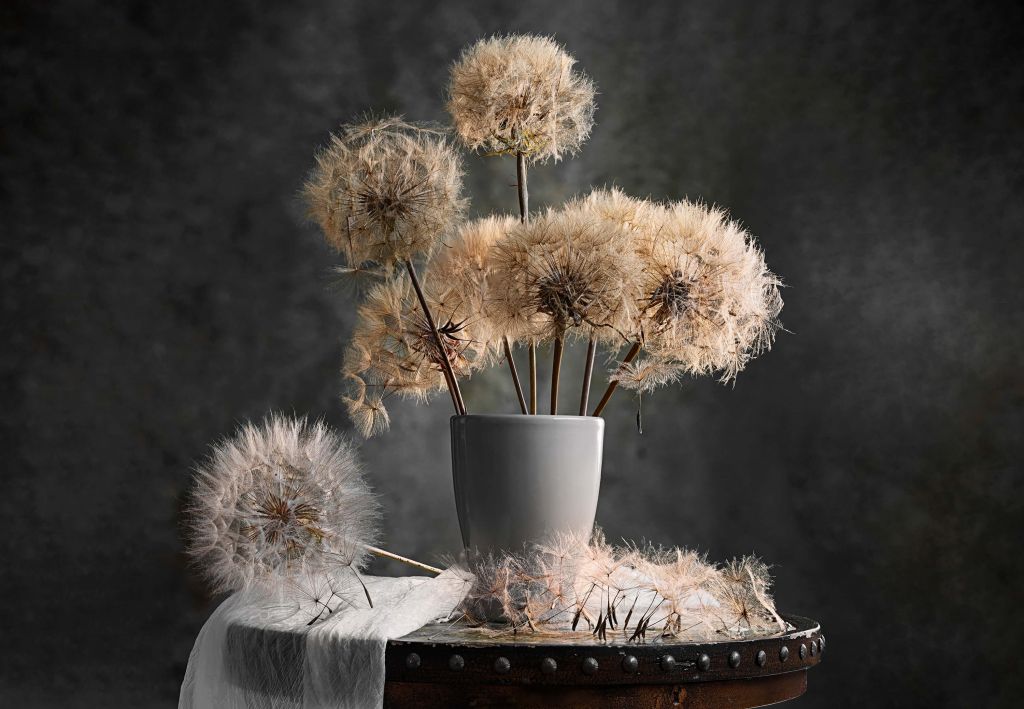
<point>385,191</point>
<point>571,584</point>
<point>561,273</point>
<point>393,351</point>
<point>498,589</point>
<point>519,94</point>
<point>707,301</point>
<point>463,274</point>
<point>277,499</point>
<point>745,606</point>
<point>646,374</point>
<point>637,217</point>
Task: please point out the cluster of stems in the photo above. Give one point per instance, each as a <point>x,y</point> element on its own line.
<point>526,407</point>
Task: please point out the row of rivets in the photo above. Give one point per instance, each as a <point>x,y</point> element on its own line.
<point>630,664</point>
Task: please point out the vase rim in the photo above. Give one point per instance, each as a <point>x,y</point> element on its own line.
<point>528,417</point>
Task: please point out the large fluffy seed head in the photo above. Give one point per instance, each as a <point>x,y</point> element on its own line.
<point>385,191</point>
<point>563,273</point>
<point>637,217</point>
<point>520,94</point>
<point>629,593</point>
<point>393,351</point>
<point>278,499</point>
<point>464,278</point>
<point>707,301</point>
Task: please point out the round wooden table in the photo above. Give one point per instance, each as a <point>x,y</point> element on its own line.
<point>452,666</point>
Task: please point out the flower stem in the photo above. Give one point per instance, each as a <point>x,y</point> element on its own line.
<point>588,372</point>
<point>453,383</point>
<point>556,366</point>
<point>515,374</point>
<point>533,377</point>
<point>405,560</point>
<point>524,192</point>
<point>630,356</point>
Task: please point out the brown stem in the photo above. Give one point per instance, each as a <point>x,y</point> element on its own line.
<point>451,389</point>
<point>524,192</point>
<point>556,366</point>
<point>533,377</point>
<point>630,356</point>
<point>515,374</point>
<point>453,383</point>
<point>588,372</point>
<point>524,216</point>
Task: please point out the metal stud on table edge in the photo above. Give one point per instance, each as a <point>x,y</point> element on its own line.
<point>456,663</point>
<point>762,658</point>
<point>548,666</point>
<point>734,659</point>
<point>667,663</point>
<point>590,666</point>
<point>502,665</point>
<point>704,662</point>
<point>803,651</point>
<point>412,661</point>
<point>784,653</point>
<point>630,664</point>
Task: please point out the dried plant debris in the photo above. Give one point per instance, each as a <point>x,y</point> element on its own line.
<point>520,94</point>
<point>620,594</point>
<point>278,502</point>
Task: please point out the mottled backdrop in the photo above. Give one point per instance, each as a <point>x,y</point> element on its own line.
<point>159,286</point>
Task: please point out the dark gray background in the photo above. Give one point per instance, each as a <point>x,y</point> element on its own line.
<point>159,286</point>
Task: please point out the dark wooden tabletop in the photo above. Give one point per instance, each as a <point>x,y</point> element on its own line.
<point>453,666</point>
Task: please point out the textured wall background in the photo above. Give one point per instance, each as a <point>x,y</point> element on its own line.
<point>159,286</point>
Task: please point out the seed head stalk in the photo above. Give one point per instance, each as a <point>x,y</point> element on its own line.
<point>556,367</point>
<point>588,373</point>
<point>630,356</point>
<point>522,187</point>
<point>515,374</point>
<point>449,374</point>
<point>384,554</point>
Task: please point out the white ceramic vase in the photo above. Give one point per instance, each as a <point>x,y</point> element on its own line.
<point>519,479</point>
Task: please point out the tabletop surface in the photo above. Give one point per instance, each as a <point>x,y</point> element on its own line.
<point>445,665</point>
<point>454,653</point>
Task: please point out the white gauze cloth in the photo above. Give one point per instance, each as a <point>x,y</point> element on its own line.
<point>260,652</point>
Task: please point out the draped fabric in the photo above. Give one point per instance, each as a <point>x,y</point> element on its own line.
<point>258,650</point>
